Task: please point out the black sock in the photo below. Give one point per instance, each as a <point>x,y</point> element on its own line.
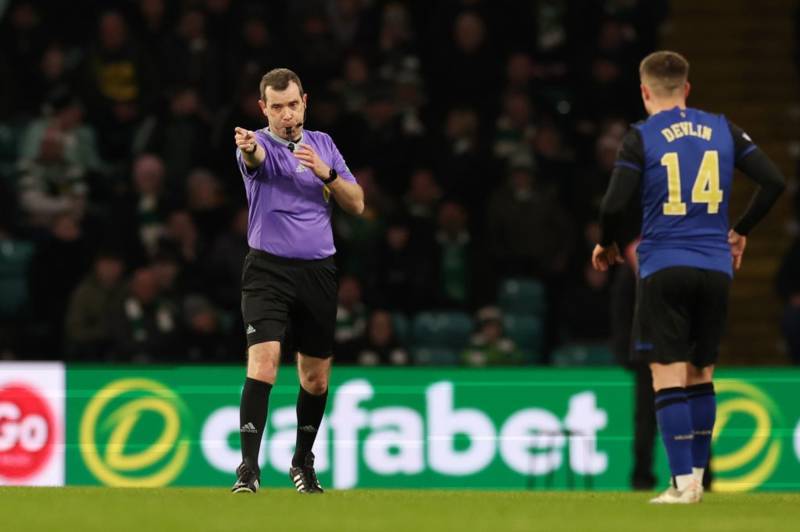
<point>309,415</point>
<point>253,418</point>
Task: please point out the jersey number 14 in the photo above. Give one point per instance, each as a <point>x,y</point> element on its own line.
<point>706,184</point>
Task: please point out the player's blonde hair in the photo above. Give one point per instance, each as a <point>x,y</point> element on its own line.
<point>664,72</point>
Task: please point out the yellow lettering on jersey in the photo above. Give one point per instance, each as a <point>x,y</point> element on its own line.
<point>686,129</point>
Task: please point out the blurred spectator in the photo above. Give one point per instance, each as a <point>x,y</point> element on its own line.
<point>402,279</point>
<point>207,204</point>
<point>354,84</point>
<point>15,257</point>
<point>348,27</point>
<point>60,262</point>
<point>316,52</point>
<point>225,264</point>
<point>385,146</point>
<point>422,202</point>
<point>351,318</point>
<point>527,226</point>
<point>397,54</point>
<point>515,128</point>
<point>554,161</point>
<point>140,215</point>
<point>255,52</point>
<point>519,73</point>
<point>204,334</point>
<point>122,85</point>
<point>91,308</point>
<point>488,346</point>
<point>357,237</point>
<point>62,120</point>
<point>51,185</point>
<point>788,285</point>
<point>195,60</point>
<point>182,240</point>
<point>455,257</point>
<point>56,73</point>
<point>145,327</point>
<point>381,347</point>
<point>153,24</point>
<point>182,136</point>
<point>463,164</point>
<point>22,37</point>
<point>584,308</point>
<point>467,70</point>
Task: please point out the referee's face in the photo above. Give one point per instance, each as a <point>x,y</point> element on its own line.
<point>284,110</point>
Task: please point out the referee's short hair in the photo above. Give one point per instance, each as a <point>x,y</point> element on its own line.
<point>279,79</point>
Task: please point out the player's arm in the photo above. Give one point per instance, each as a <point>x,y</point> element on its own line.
<point>253,153</point>
<point>755,164</point>
<point>622,188</point>
<point>347,193</point>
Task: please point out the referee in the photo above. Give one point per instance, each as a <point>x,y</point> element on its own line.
<point>289,282</point>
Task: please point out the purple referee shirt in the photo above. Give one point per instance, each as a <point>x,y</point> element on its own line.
<point>289,208</point>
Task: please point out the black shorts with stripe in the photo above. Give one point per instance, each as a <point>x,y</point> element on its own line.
<point>292,301</point>
<point>680,316</point>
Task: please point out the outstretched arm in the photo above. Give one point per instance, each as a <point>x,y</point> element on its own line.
<point>252,152</point>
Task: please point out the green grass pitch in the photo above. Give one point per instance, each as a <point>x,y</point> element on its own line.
<point>202,509</point>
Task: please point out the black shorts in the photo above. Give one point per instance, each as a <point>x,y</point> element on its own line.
<point>680,316</point>
<point>291,301</point>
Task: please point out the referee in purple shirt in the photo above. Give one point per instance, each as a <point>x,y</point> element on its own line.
<point>289,283</point>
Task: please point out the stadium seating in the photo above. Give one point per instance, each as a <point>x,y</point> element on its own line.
<point>401,328</point>
<point>9,144</point>
<point>527,333</point>
<point>438,337</point>
<point>435,356</point>
<point>522,296</point>
<point>15,258</point>
<point>583,355</point>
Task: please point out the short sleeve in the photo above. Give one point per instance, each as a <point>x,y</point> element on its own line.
<point>252,173</point>
<point>631,151</point>
<point>338,163</point>
<point>742,143</point>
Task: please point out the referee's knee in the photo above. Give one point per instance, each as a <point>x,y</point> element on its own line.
<point>314,382</point>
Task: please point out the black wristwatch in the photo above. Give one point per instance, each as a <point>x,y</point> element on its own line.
<point>332,176</point>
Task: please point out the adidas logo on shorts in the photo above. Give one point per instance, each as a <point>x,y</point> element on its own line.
<point>250,329</point>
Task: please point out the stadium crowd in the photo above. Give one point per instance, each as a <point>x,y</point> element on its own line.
<point>483,133</point>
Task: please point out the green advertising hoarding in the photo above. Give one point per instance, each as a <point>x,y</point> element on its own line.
<point>537,428</point>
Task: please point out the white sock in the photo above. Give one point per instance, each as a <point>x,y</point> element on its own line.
<point>683,481</point>
<point>698,473</point>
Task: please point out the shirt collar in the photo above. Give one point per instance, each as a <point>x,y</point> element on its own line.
<point>283,141</point>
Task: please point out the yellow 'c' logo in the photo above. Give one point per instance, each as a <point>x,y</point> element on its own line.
<point>114,467</point>
<point>751,402</point>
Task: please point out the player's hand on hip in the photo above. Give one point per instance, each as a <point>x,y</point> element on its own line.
<point>309,158</point>
<point>605,257</point>
<point>245,140</point>
<point>738,243</point>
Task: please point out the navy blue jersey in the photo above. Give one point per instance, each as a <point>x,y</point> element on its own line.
<point>686,158</point>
